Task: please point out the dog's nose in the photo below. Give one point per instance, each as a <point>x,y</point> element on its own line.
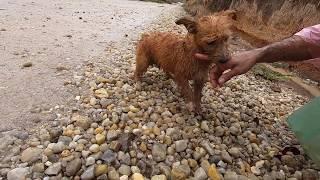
<point>224,60</point>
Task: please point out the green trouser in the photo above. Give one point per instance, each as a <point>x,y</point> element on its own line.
<point>305,123</point>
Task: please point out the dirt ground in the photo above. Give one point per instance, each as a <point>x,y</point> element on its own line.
<point>56,37</point>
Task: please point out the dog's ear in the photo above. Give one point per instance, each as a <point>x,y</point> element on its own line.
<point>189,23</point>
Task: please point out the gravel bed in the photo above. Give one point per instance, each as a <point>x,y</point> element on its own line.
<point>122,130</point>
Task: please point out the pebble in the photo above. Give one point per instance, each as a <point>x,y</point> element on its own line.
<point>112,135</point>
<point>164,169</point>
<point>113,175</point>
<point>204,126</point>
<point>73,167</point>
<point>234,152</point>
<point>101,93</point>
<point>65,140</point>
<point>99,130</point>
<point>90,161</point>
<point>81,121</point>
<point>255,170</point>
<point>234,130</point>
<point>94,148</point>
<point>200,174</point>
<point>192,163</point>
<point>219,131</point>
<point>289,161</point>
<point>173,133</point>
<point>180,172</point>
<point>54,169</point>
<point>229,175</point>
<point>253,138</point>
<point>253,177</point>
<point>159,152</point>
<point>100,139</point>
<point>125,141</point>
<point>103,177</point>
<point>137,176</point>
<point>100,170</point>
<point>58,147</point>
<point>18,174</point>
<point>208,147</point>
<point>31,155</point>
<point>181,145</point>
<point>88,174</point>
<point>159,177</point>
<point>109,156</point>
<point>124,170</point>
<point>213,173</point>
<point>124,177</point>
<point>124,158</point>
<point>38,167</point>
<point>65,153</point>
<point>135,169</point>
<point>27,64</point>
<point>226,157</point>
<point>298,174</point>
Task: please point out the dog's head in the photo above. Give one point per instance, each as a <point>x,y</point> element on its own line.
<point>211,33</point>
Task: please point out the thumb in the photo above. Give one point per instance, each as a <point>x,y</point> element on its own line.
<point>227,76</point>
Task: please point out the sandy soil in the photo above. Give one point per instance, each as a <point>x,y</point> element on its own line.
<point>57,37</point>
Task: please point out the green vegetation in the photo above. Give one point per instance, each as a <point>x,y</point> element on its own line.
<point>266,73</point>
<point>280,65</point>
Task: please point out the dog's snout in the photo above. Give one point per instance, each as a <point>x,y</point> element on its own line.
<point>224,59</point>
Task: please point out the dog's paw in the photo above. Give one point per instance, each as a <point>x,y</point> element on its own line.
<point>197,110</point>
<point>137,78</point>
<point>138,85</point>
<point>190,107</point>
<point>193,108</point>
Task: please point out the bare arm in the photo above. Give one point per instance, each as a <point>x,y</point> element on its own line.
<point>290,49</point>
<point>294,48</point>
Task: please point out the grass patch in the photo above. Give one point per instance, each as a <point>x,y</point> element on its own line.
<point>280,65</point>
<point>266,73</point>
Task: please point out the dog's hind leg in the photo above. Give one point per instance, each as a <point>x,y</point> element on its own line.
<point>142,63</point>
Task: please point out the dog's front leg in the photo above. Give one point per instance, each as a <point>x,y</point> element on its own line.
<point>198,86</point>
<point>185,89</point>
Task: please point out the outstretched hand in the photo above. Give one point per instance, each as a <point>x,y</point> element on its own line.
<point>238,64</point>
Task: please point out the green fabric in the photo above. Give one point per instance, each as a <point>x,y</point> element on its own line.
<point>305,123</point>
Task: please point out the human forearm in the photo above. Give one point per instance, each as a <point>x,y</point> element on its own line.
<point>290,49</point>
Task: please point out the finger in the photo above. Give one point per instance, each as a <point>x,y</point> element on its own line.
<point>203,57</point>
<point>215,73</point>
<point>213,79</point>
<point>227,76</point>
<point>227,65</point>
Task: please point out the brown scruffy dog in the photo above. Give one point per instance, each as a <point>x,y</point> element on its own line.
<point>175,54</point>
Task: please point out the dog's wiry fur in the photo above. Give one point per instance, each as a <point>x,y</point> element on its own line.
<point>175,54</point>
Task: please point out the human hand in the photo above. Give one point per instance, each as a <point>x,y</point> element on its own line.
<point>238,64</point>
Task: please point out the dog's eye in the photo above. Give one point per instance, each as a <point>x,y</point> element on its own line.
<point>210,43</point>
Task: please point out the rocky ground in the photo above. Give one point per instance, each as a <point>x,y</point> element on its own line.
<point>121,130</point>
